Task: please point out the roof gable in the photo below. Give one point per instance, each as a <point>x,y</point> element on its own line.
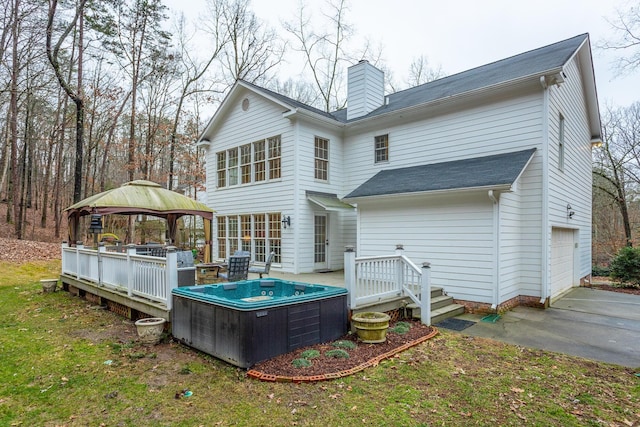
<point>500,170</point>
<point>533,63</point>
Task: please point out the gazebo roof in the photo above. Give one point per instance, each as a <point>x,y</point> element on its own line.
<point>140,197</point>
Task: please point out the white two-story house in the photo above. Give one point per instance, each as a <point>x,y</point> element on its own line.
<point>486,174</point>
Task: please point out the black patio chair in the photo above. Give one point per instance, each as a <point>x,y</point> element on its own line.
<point>237,269</point>
<point>263,269</point>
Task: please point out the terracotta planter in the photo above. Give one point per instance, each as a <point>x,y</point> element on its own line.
<point>49,285</point>
<point>371,326</point>
<point>150,330</point>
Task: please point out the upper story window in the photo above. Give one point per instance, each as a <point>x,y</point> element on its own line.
<point>381,148</point>
<point>561,142</point>
<point>259,163</point>
<point>232,165</point>
<point>274,157</point>
<point>249,163</point>
<point>245,163</point>
<point>222,168</point>
<point>321,158</point>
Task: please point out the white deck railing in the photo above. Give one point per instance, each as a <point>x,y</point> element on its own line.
<point>144,276</point>
<point>377,278</point>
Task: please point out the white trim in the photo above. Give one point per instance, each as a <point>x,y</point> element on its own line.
<point>496,247</point>
<point>296,192</point>
<point>545,238</point>
<point>497,188</point>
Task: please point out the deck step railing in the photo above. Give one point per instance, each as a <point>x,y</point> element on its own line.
<point>378,278</point>
<point>143,276</point>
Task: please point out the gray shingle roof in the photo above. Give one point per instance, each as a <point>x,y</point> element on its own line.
<point>532,63</point>
<point>489,171</point>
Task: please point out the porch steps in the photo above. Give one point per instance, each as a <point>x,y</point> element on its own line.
<point>442,307</point>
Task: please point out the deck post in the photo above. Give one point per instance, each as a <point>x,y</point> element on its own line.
<point>101,249</point>
<point>172,273</point>
<point>131,250</point>
<point>425,294</point>
<point>350,275</point>
<point>399,268</point>
<point>79,245</point>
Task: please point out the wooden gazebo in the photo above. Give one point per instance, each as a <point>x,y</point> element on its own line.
<point>142,198</point>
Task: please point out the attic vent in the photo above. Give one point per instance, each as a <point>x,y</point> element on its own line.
<point>245,104</point>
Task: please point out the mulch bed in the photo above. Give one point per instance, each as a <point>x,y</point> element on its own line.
<point>281,368</point>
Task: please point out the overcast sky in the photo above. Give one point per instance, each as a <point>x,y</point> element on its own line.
<point>463,34</point>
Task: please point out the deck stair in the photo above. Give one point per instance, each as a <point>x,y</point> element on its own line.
<point>442,307</point>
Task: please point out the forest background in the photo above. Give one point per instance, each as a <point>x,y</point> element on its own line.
<point>97,93</point>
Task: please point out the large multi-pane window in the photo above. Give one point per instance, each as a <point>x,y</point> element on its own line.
<point>222,168</point>
<point>255,162</point>
<point>274,157</point>
<point>259,161</point>
<point>381,148</point>
<point>233,166</point>
<point>245,163</point>
<point>233,233</point>
<point>222,237</point>
<point>259,238</point>
<point>321,155</point>
<point>245,232</point>
<point>257,233</point>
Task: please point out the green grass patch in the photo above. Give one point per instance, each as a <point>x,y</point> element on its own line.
<point>54,350</point>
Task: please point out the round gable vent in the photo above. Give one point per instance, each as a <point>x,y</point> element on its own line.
<point>245,104</point>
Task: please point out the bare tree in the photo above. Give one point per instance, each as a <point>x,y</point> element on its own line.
<point>53,53</point>
<point>421,72</point>
<point>132,32</point>
<point>251,51</point>
<point>611,169</point>
<point>191,70</point>
<point>324,50</point>
<point>626,40</point>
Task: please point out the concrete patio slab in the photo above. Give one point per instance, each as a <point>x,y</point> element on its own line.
<point>589,323</point>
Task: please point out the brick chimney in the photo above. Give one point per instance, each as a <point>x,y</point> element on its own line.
<point>365,89</point>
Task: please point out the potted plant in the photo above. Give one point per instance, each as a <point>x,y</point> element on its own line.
<point>49,285</point>
<point>150,329</point>
<point>371,326</point>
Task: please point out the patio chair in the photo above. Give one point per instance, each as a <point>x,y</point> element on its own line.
<point>242,253</point>
<point>263,269</point>
<point>237,269</point>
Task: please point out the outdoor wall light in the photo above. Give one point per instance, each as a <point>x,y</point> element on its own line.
<point>570,213</point>
<point>286,221</point>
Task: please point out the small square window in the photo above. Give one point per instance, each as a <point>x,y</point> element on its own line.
<point>381,148</point>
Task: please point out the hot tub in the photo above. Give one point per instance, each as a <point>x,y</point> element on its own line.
<point>250,321</point>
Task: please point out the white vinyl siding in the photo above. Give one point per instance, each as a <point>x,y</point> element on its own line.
<point>572,185</point>
<point>260,122</point>
<point>504,126</point>
<point>453,233</point>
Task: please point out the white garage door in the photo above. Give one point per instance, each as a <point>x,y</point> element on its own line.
<point>562,250</point>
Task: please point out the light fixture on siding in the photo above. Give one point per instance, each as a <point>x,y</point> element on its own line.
<point>286,220</point>
<point>570,213</point>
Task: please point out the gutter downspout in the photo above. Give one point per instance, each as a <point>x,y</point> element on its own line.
<point>544,241</point>
<point>496,249</point>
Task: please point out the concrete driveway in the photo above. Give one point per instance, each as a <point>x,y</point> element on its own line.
<point>589,323</point>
